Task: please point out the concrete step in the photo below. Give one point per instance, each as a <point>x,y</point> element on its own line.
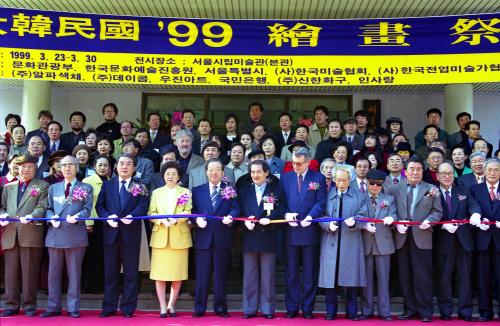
<point>148,301</point>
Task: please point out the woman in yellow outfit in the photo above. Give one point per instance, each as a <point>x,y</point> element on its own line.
<point>170,238</point>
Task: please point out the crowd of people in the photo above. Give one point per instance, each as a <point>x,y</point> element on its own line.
<point>335,199</point>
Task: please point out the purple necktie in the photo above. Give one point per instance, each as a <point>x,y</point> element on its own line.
<point>395,181</point>
<point>362,187</point>
<point>448,202</point>
<point>299,183</point>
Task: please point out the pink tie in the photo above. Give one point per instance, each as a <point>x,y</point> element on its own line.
<point>492,194</point>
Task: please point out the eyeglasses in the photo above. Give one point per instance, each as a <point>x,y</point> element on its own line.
<point>376,183</point>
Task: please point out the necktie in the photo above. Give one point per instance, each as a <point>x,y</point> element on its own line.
<point>299,183</point>
<point>259,194</point>
<point>153,135</point>
<point>123,194</point>
<point>480,179</point>
<point>410,201</point>
<point>20,193</point>
<point>492,194</point>
<point>53,148</point>
<point>374,202</point>
<point>362,186</point>
<point>350,139</point>
<point>66,191</point>
<point>395,181</point>
<point>448,202</point>
<point>213,196</point>
<point>285,135</point>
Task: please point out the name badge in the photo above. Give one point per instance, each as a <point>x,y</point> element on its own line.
<point>268,206</point>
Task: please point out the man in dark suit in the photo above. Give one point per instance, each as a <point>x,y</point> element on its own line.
<point>204,135</point>
<point>44,117</point>
<point>416,201</point>
<point>110,126</point>
<point>488,239</point>
<point>36,148</point>
<point>158,138</point>
<point>213,238</point>
<point>455,246</point>
<point>356,141</point>
<point>121,197</point>
<point>305,197</point>
<point>286,135</point>
<point>76,136</point>
<point>54,130</point>
<point>4,164</point>
<point>477,176</point>
<point>261,200</point>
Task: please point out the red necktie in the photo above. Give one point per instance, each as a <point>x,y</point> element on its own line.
<point>66,192</point>
<point>492,194</point>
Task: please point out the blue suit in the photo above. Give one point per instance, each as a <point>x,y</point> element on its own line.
<point>467,180</point>
<point>488,248</point>
<point>212,246</point>
<point>455,253</point>
<point>121,245</point>
<point>302,242</point>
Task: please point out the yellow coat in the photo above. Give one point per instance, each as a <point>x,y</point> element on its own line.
<point>95,181</point>
<point>177,236</point>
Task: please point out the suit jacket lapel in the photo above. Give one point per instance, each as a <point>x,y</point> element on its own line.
<point>25,195</point>
<point>377,208</point>
<point>454,202</point>
<point>421,192</point>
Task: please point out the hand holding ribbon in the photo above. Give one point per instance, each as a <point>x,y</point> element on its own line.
<point>112,223</point>
<point>25,219</point>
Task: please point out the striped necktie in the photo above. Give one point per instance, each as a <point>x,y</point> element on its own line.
<point>213,196</point>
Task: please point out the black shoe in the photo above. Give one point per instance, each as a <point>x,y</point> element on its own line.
<point>385,318</point>
<point>223,314</point>
<point>466,318</point>
<point>353,317</point>
<point>426,319</point>
<point>198,314</point>
<point>47,314</point>
<point>268,316</point>
<point>445,317</point>
<point>74,314</point>
<point>9,312</point>
<point>128,315</point>
<point>107,314</point>
<point>406,316</point>
<point>330,317</point>
<point>291,314</point>
<point>171,312</point>
<point>31,312</point>
<point>308,315</point>
<point>248,316</point>
<point>164,315</point>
